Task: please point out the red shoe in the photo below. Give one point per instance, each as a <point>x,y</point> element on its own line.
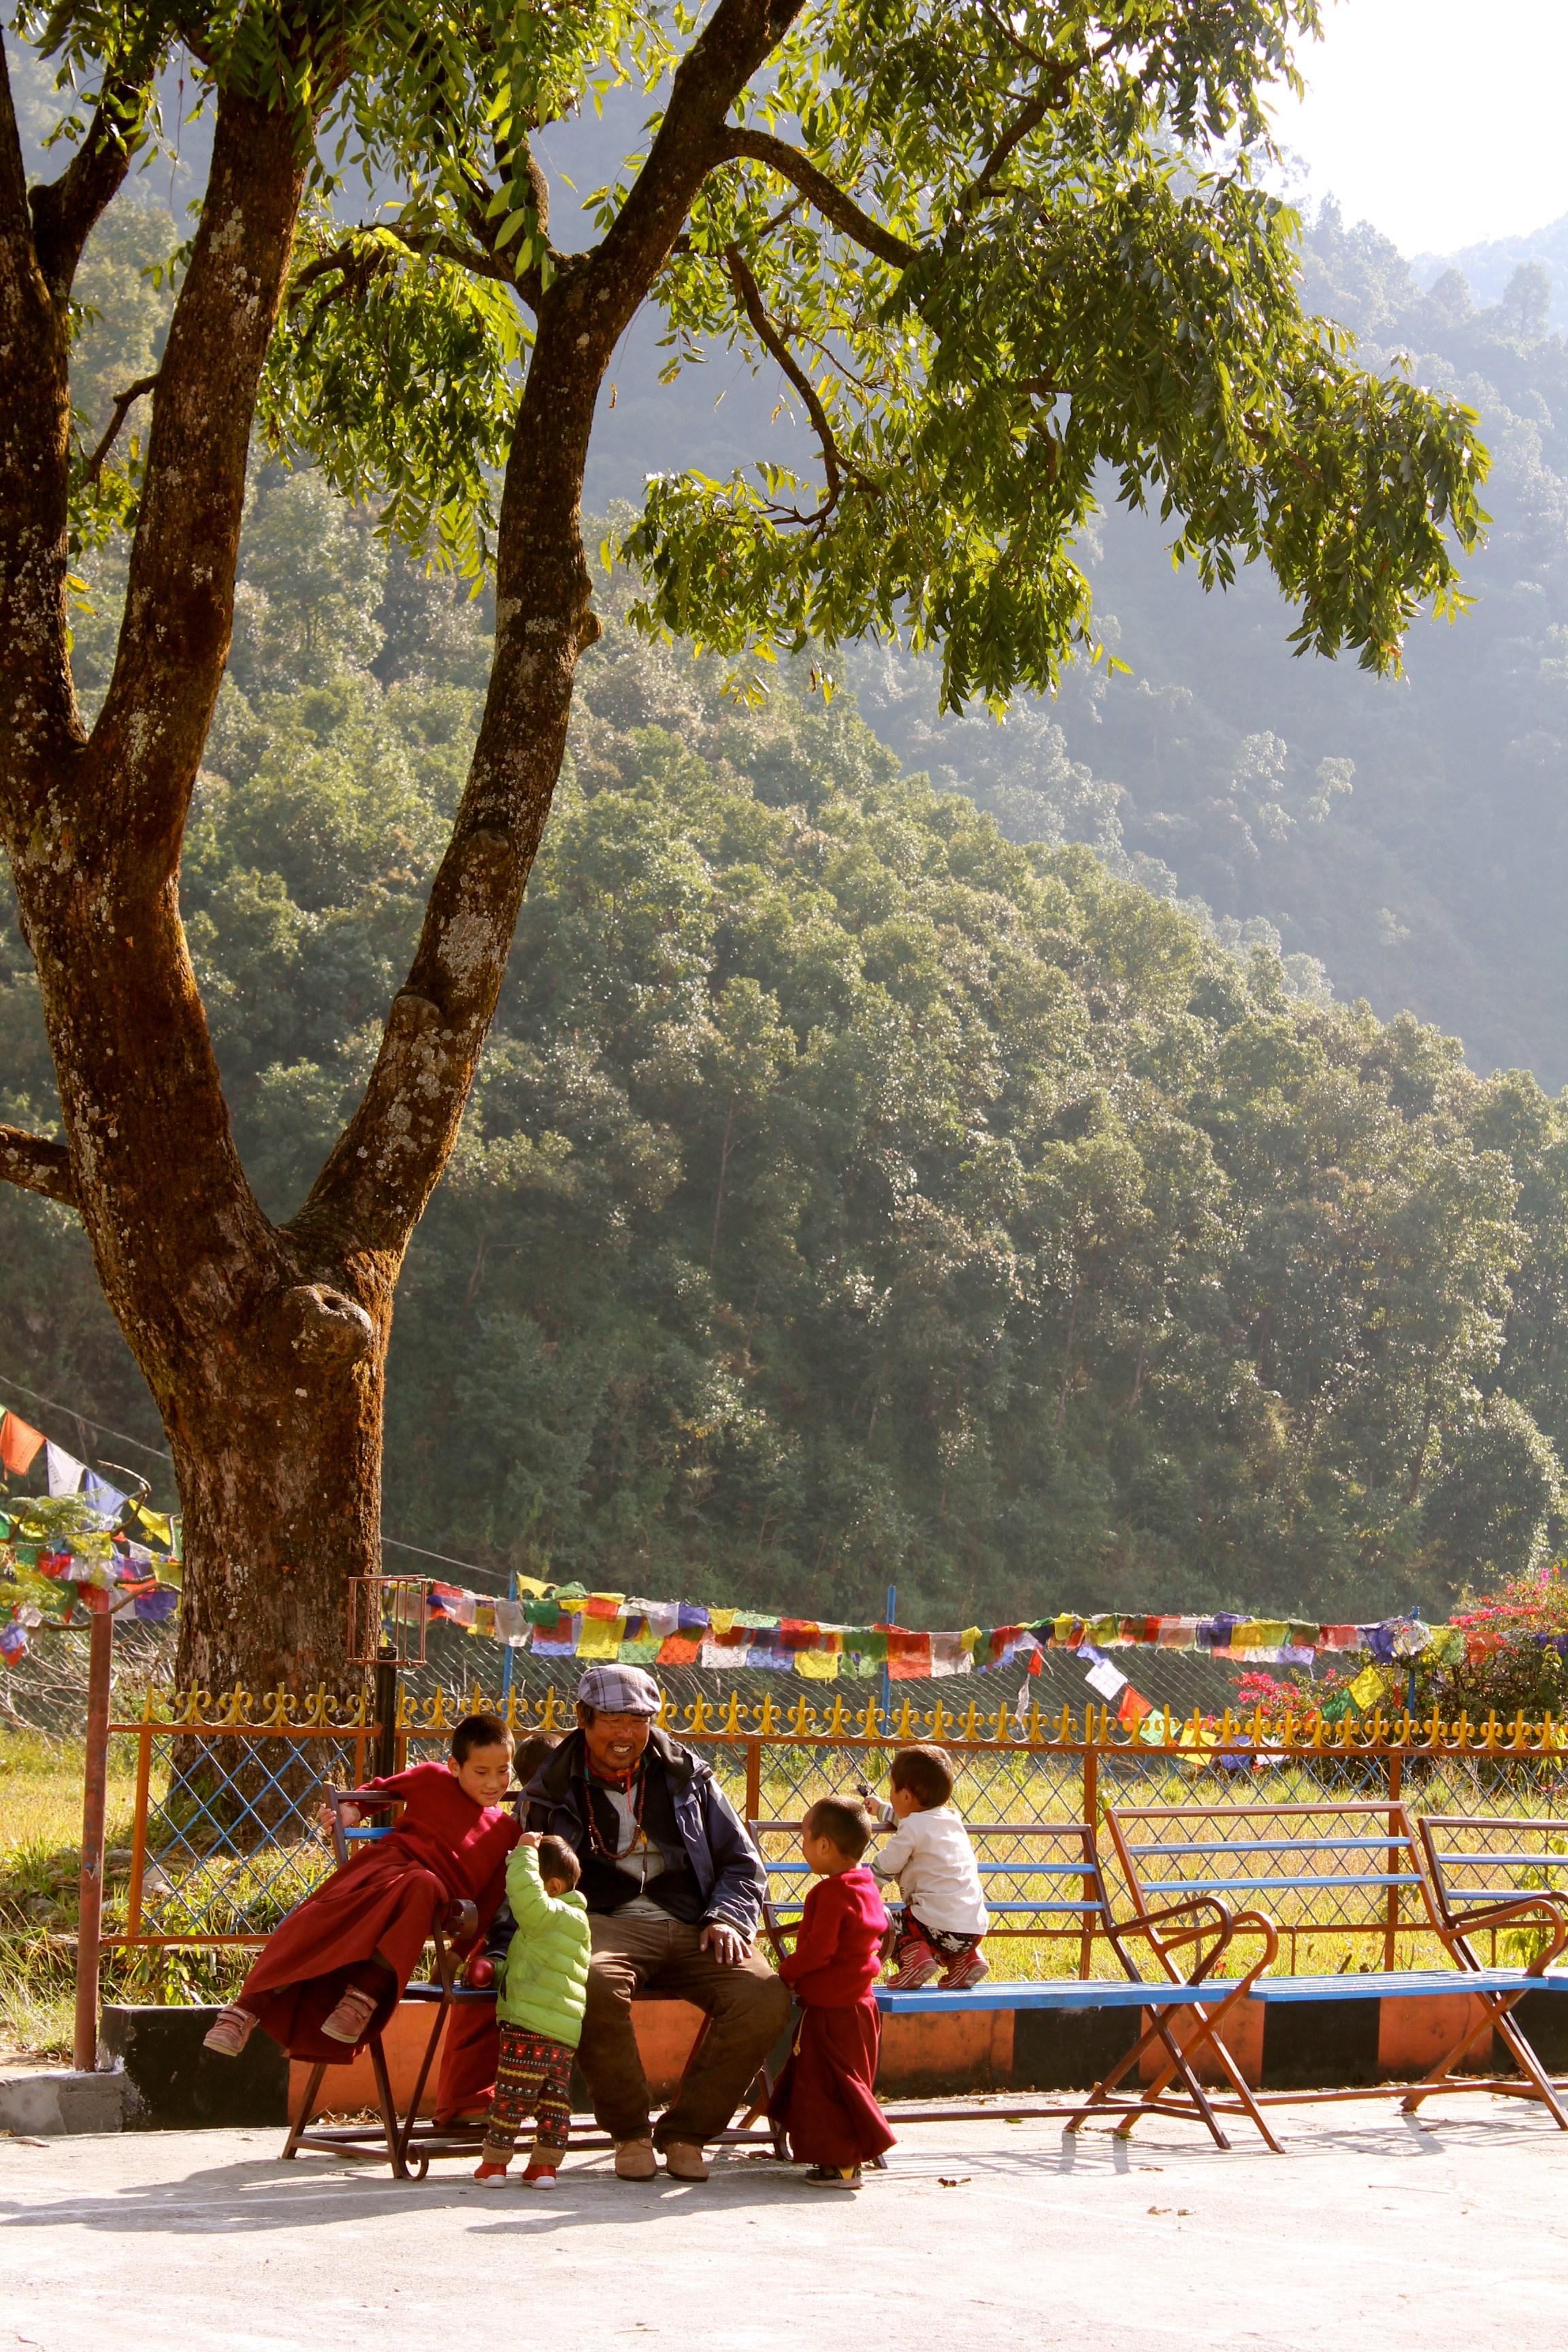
<point>351,2018</point>
<point>230,2030</point>
<point>480,1973</point>
<point>964,1973</point>
<point>917,1970</point>
<point>539,2175</point>
<point>490,2176</point>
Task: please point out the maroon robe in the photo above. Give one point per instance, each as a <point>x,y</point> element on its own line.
<point>445,1848</point>
<point>826,2099</point>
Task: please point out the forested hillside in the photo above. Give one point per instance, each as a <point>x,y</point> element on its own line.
<point>855,1193</point>
<point>1409,837</point>
<point>850,1193</point>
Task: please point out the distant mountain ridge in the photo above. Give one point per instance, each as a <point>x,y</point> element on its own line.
<point>1488,267</point>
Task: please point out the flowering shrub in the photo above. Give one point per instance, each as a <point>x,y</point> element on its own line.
<point>1326,1691</point>
<point>1512,1664</point>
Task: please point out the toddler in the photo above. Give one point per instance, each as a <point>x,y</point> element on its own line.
<point>929,1853</point>
<point>542,1991</point>
<point>826,2097</point>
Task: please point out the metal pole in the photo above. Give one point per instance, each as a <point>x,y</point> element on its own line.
<point>94,1791</point>
<point>506,1664</point>
<point>387,1712</point>
<point>886,1677</point>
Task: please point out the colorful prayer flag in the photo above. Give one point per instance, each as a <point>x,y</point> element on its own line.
<point>18,1444</point>
<point>948,1656</point>
<point>818,1665</point>
<point>62,1471</point>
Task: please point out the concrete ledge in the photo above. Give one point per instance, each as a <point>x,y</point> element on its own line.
<point>44,2105</point>
<point>172,2083</point>
<point>157,2077</point>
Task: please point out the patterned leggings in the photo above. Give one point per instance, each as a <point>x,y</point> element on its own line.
<point>534,2077</point>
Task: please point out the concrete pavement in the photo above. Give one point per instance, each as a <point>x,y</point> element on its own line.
<point>1449,2230</point>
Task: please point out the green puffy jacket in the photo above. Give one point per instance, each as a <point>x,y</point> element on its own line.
<point>542,1983</point>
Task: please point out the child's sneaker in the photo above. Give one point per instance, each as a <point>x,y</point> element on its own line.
<point>230,2030</point>
<point>972,1969</point>
<point>917,1970</point>
<point>834,2175</point>
<point>351,2018</point>
<point>491,2176</point>
<point>539,2175</point>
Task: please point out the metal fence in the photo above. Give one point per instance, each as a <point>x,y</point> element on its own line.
<point>224,1838</point>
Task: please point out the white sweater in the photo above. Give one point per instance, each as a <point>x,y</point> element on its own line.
<point>929,1855</point>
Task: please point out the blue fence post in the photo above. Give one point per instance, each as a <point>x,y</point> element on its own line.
<point>506,1669</point>
<point>886,1677</point>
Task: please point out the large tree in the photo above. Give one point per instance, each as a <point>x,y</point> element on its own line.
<point>1000,257</point>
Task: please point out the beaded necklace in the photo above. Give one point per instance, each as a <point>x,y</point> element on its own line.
<point>596,1836</point>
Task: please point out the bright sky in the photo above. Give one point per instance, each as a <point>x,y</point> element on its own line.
<point>1441,122</point>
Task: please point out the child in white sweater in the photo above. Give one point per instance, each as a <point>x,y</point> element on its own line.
<point>945,1916</point>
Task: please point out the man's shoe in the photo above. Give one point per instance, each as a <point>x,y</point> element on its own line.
<point>635,2159</point>
<point>685,2161</point>
<point>834,2175</point>
<point>972,1970</point>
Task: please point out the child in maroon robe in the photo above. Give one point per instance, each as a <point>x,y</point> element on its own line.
<point>335,1971</point>
<point>826,2099</point>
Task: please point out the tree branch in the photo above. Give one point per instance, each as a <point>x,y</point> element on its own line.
<point>38,709</point>
<point>145,749</point>
<point>749,295</point>
<point>388,1160</point>
<point>37,1165</point>
<point>761,147</point>
<point>124,402</point>
<point>1029,116</point>
<point>66,211</point>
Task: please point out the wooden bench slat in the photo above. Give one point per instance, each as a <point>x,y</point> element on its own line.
<point>1069,1992</point>
<point>1258,1886</point>
<point>1279,1846</point>
<point>1392,1983</point>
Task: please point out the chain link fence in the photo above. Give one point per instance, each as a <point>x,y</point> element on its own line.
<point>226,1842</point>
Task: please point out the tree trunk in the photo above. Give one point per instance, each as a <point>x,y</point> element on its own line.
<point>265,1346</point>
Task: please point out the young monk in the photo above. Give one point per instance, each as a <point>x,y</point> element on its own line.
<point>335,1971</point>
<point>826,2097</point>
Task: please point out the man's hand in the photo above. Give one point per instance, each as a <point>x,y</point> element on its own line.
<point>726,1944</point>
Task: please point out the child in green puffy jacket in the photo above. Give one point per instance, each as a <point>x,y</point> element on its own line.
<point>542,1989</point>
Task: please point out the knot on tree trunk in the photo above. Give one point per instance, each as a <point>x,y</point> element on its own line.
<point>325,1327</point>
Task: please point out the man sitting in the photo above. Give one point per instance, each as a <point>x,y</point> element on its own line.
<point>674,1888</point>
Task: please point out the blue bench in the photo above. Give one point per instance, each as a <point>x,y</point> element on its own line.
<point>1060,1858</point>
<point>1353,1866</point>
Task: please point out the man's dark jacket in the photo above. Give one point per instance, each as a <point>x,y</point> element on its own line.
<point>686,1817</point>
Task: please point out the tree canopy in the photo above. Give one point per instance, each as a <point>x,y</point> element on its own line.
<point>1406,833</point>
<point>994,255</point>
